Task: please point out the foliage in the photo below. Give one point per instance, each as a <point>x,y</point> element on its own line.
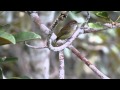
<point>9,38</point>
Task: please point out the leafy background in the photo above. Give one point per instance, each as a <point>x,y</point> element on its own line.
<point>101,48</point>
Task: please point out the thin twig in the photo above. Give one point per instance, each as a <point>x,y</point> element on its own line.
<point>61,67</point>
<point>35,17</point>
<point>88,17</point>
<point>61,17</point>
<point>35,47</point>
<point>91,30</point>
<point>112,25</point>
<point>88,63</point>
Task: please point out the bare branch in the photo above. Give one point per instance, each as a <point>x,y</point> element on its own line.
<point>91,30</point>
<point>35,47</point>
<point>61,67</point>
<point>87,62</point>
<point>88,17</point>
<point>107,27</point>
<point>112,25</point>
<point>61,17</point>
<point>35,17</point>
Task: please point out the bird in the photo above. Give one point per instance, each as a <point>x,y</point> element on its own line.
<point>67,31</point>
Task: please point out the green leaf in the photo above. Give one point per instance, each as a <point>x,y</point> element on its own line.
<point>23,36</point>
<point>1,74</point>
<point>95,25</point>
<point>9,59</point>
<point>6,38</point>
<point>103,14</point>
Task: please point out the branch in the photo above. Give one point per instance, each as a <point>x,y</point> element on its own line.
<point>88,63</point>
<point>112,25</point>
<point>107,27</point>
<point>91,30</point>
<point>35,47</point>
<point>61,67</point>
<point>61,17</point>
<point>88,17</point>
<point>35,17</point>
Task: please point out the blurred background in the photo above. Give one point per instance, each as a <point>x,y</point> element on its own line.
<point>102,48</point>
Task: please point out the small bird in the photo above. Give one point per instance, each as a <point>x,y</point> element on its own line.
<point>67,31</point>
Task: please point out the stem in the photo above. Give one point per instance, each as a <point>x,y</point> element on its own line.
<point>88,63</point>
<point>61,67</point>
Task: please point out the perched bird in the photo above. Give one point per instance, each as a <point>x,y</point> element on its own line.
<point>67,31</point>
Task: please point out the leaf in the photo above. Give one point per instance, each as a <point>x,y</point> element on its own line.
<point>9,59</point>
<point>95,25</point>
<point>6,38</point>
<point>103,14</point>
<point>23,36</point>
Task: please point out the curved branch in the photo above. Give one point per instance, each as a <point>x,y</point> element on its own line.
<point>35,47</point>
